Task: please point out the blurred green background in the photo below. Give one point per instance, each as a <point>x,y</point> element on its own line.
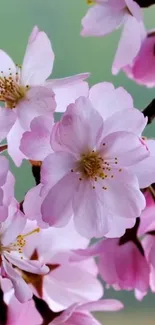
<point>60,19</point>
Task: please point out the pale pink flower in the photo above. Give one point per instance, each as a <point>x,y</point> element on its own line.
<point>106,16</point>
<point>26,92</point>
<point>89,175</point>
<point>80,314</point>
<point>142,68</point>
<point>12,262</point>
<point>67,282</point>
<point>35,144</point>
<point>122,263</point>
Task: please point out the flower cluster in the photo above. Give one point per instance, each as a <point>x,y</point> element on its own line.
<point>135,52</point>
<point>94,173</point>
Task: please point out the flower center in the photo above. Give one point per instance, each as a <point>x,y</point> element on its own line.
<point>19,244</point>
<point>90,2</point>
<point>90,165</point>
<point>11,92</point>
<point>93,167</point>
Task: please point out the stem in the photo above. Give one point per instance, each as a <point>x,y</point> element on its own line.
<point>3,309</point>
<point>47,314</point>
<point>149,111</point>
<point>145,3</point>
<point>152,190</point>
<point>36,173</point>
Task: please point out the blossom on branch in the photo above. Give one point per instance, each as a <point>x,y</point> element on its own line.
<point>106,16</point>
<point>88,175</point>
<point>27,94</point>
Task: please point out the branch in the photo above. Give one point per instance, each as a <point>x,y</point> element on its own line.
<point>47,314</point>
<point>145,3</point>
<point>36,174</point>
<point>3,310</point>
<point>149,111</point>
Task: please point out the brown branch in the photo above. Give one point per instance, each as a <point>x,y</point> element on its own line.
<point>47,314</point>
<point>3,310</point>
<point>145,3</point>
<point>149,111</point>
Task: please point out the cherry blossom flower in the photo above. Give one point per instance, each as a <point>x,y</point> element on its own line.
<point>123,262</point>
<point>106,16</point>
<point>90,172</point>
<point>81,313</point>
<point>35,144</point>
<point>67,282</point>
<point>12,262</point>
<point>27,94</point>
<point>141,69</point>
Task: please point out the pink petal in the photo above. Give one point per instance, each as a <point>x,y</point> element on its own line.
<point>75,132</point>
<point>8,189</point>
<point>38,101</point>
<point>101,20</point>
<point>71,284</point>
<point>56,208</point>
<point>130,120</point>
<point>107,267</point>
<point>4,168</point>
<point>31,210</point>
<point>22,313</point>
<point>35,144</point>
<point>120,195</point>
<point>145,170</point>
<point>134,8</point>
<point>142,70</point>
<point>68,89</point>
<point>12,227</point>
<point>6,64</point>
<point>64,316</point>
<point>126,146</point>
<point>77,318</point>
<point>147,220</point>
<point>89,213</point>
<point>7,119</point>
<point>134,273</point>
<point>34,267</point>
<point>118,226</point>
<point>13,140</point>
<point>129,46</point>
<point>101,305</point>
<point>56,166</point>
<point>107,100</point>
<point>22,290</point>
<point>3,209</point>
<point>38,60</point>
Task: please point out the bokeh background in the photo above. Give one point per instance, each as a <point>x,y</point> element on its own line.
<point>61,20</point>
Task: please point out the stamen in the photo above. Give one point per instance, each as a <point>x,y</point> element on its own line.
<point>31,232</point>
<point>10,89</point>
